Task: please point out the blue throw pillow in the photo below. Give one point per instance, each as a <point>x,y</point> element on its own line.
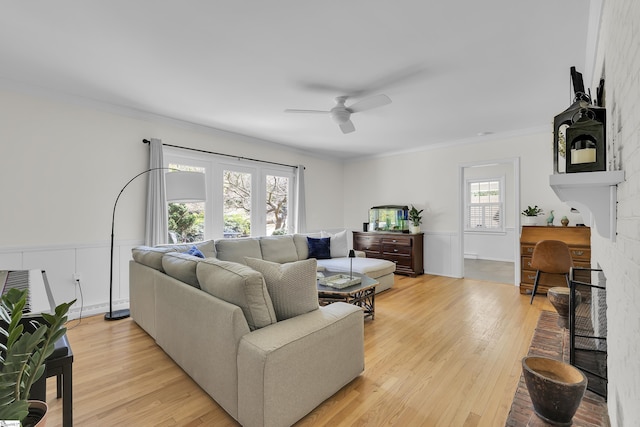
<point>319,248</point>
<point>195,252</point>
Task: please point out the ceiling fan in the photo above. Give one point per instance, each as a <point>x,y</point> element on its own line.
<point>341,114</point>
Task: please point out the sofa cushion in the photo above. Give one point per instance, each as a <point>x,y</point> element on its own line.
<point>238,285</point>
<point>292,286</point>
<point>236,249</point>
<point>182,267</point>
<point>371,267</point>
<point>302,245</point>
<point>207,247</point>
<point>151,256</point>
<point>279,249</point>
<point>319,248</point>
<point>339,243</point>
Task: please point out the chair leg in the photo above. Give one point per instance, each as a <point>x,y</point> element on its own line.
<point>535,286</point>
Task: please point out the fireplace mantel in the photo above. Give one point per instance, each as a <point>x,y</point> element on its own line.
<point>591,192</point>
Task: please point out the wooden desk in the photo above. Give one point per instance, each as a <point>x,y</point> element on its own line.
<point>577,238</point>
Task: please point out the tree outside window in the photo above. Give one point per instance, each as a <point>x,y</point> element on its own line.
<point>277,204</point>
<point>237,203</point>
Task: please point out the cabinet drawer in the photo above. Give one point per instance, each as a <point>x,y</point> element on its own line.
<point>401,269</point>
<point>526,249</point>
<point>525,263</point>
<point>580,254</point>
<point>367,243</point>
<point>582,276</point>
<point>396,250</point>
<point>576,253</point>
<point>374,253</point>
<point>399,241</point>
<point>547,279</point>
<point>527,276</point>
<point>399,260</point>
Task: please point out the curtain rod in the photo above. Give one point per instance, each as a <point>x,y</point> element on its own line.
<point>146,141</point>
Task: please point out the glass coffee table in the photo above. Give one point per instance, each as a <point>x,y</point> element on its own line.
<point>362,294</point>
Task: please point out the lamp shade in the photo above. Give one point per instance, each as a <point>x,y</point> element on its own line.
<point>185,186</point>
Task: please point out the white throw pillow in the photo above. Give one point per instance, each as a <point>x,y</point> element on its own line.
<point>292,286</point>
<point>339,243</point>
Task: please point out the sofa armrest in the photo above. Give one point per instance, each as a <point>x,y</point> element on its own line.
<point>287,369</point>
<point>201,333</point>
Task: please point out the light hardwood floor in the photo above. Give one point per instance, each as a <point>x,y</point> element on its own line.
<point>440,352</point>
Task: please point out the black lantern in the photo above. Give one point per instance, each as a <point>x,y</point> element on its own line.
<point>563,121</point>
<point>585,143</point>
<point>588,134</point>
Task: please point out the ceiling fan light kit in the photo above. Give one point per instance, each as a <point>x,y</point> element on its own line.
<point>341,114</point>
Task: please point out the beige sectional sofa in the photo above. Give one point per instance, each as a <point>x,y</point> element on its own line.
<point>254,338</point>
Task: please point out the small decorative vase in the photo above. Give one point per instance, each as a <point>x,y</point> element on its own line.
<point>556,388</point>
<point>414,229</point>
<point>530,220</point>
<point>564,221</point>
<point>559,298</point>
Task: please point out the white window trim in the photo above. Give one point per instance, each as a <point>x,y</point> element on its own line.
<point>283,172</point>
<point>214,166</point>
<point>502,229</point>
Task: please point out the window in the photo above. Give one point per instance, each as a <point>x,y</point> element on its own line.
<point>277,204</point>
<point>485,205</point>
<point>186,220</point>
<point>236,196</point>
<point>244,198</point>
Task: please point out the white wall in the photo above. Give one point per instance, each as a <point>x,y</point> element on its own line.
<point>493,246</point>
<point>63,164</point>
<point>619,43</point>
<point>429,179</point>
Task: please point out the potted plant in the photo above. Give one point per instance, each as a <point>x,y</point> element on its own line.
<point>530,215</point>
<point>416,219</point>
<point>23,351</point>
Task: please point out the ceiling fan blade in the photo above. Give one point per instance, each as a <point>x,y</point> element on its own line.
<point>306,111</point>
<point>409,74</point>
<point>369,103</point>
<point>347,127</point>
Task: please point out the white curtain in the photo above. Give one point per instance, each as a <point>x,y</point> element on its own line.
<point>300,210</point>
<point>156,230</point>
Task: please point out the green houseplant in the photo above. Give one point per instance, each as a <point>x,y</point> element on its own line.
<point>415,218</point>
<point>530,215</point>
<point>532,211</point>
<point>23,351</point>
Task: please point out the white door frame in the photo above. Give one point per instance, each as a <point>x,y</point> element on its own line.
<point>515,162</point>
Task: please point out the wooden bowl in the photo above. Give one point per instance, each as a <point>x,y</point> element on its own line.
<point>556,388</point>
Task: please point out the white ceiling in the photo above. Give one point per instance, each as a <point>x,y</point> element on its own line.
<point>453,69</point>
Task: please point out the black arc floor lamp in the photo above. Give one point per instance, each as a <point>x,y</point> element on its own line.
<point>179,187</point>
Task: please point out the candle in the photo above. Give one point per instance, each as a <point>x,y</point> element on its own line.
<point>585,155</point>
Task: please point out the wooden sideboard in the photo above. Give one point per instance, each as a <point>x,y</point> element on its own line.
<point>405,250</point>
<point>577,238</point>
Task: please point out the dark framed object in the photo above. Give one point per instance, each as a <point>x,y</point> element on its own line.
<point>579,132</point>
<point>585,143</point>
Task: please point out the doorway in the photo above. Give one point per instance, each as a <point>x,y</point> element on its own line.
<point>488,253</point>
